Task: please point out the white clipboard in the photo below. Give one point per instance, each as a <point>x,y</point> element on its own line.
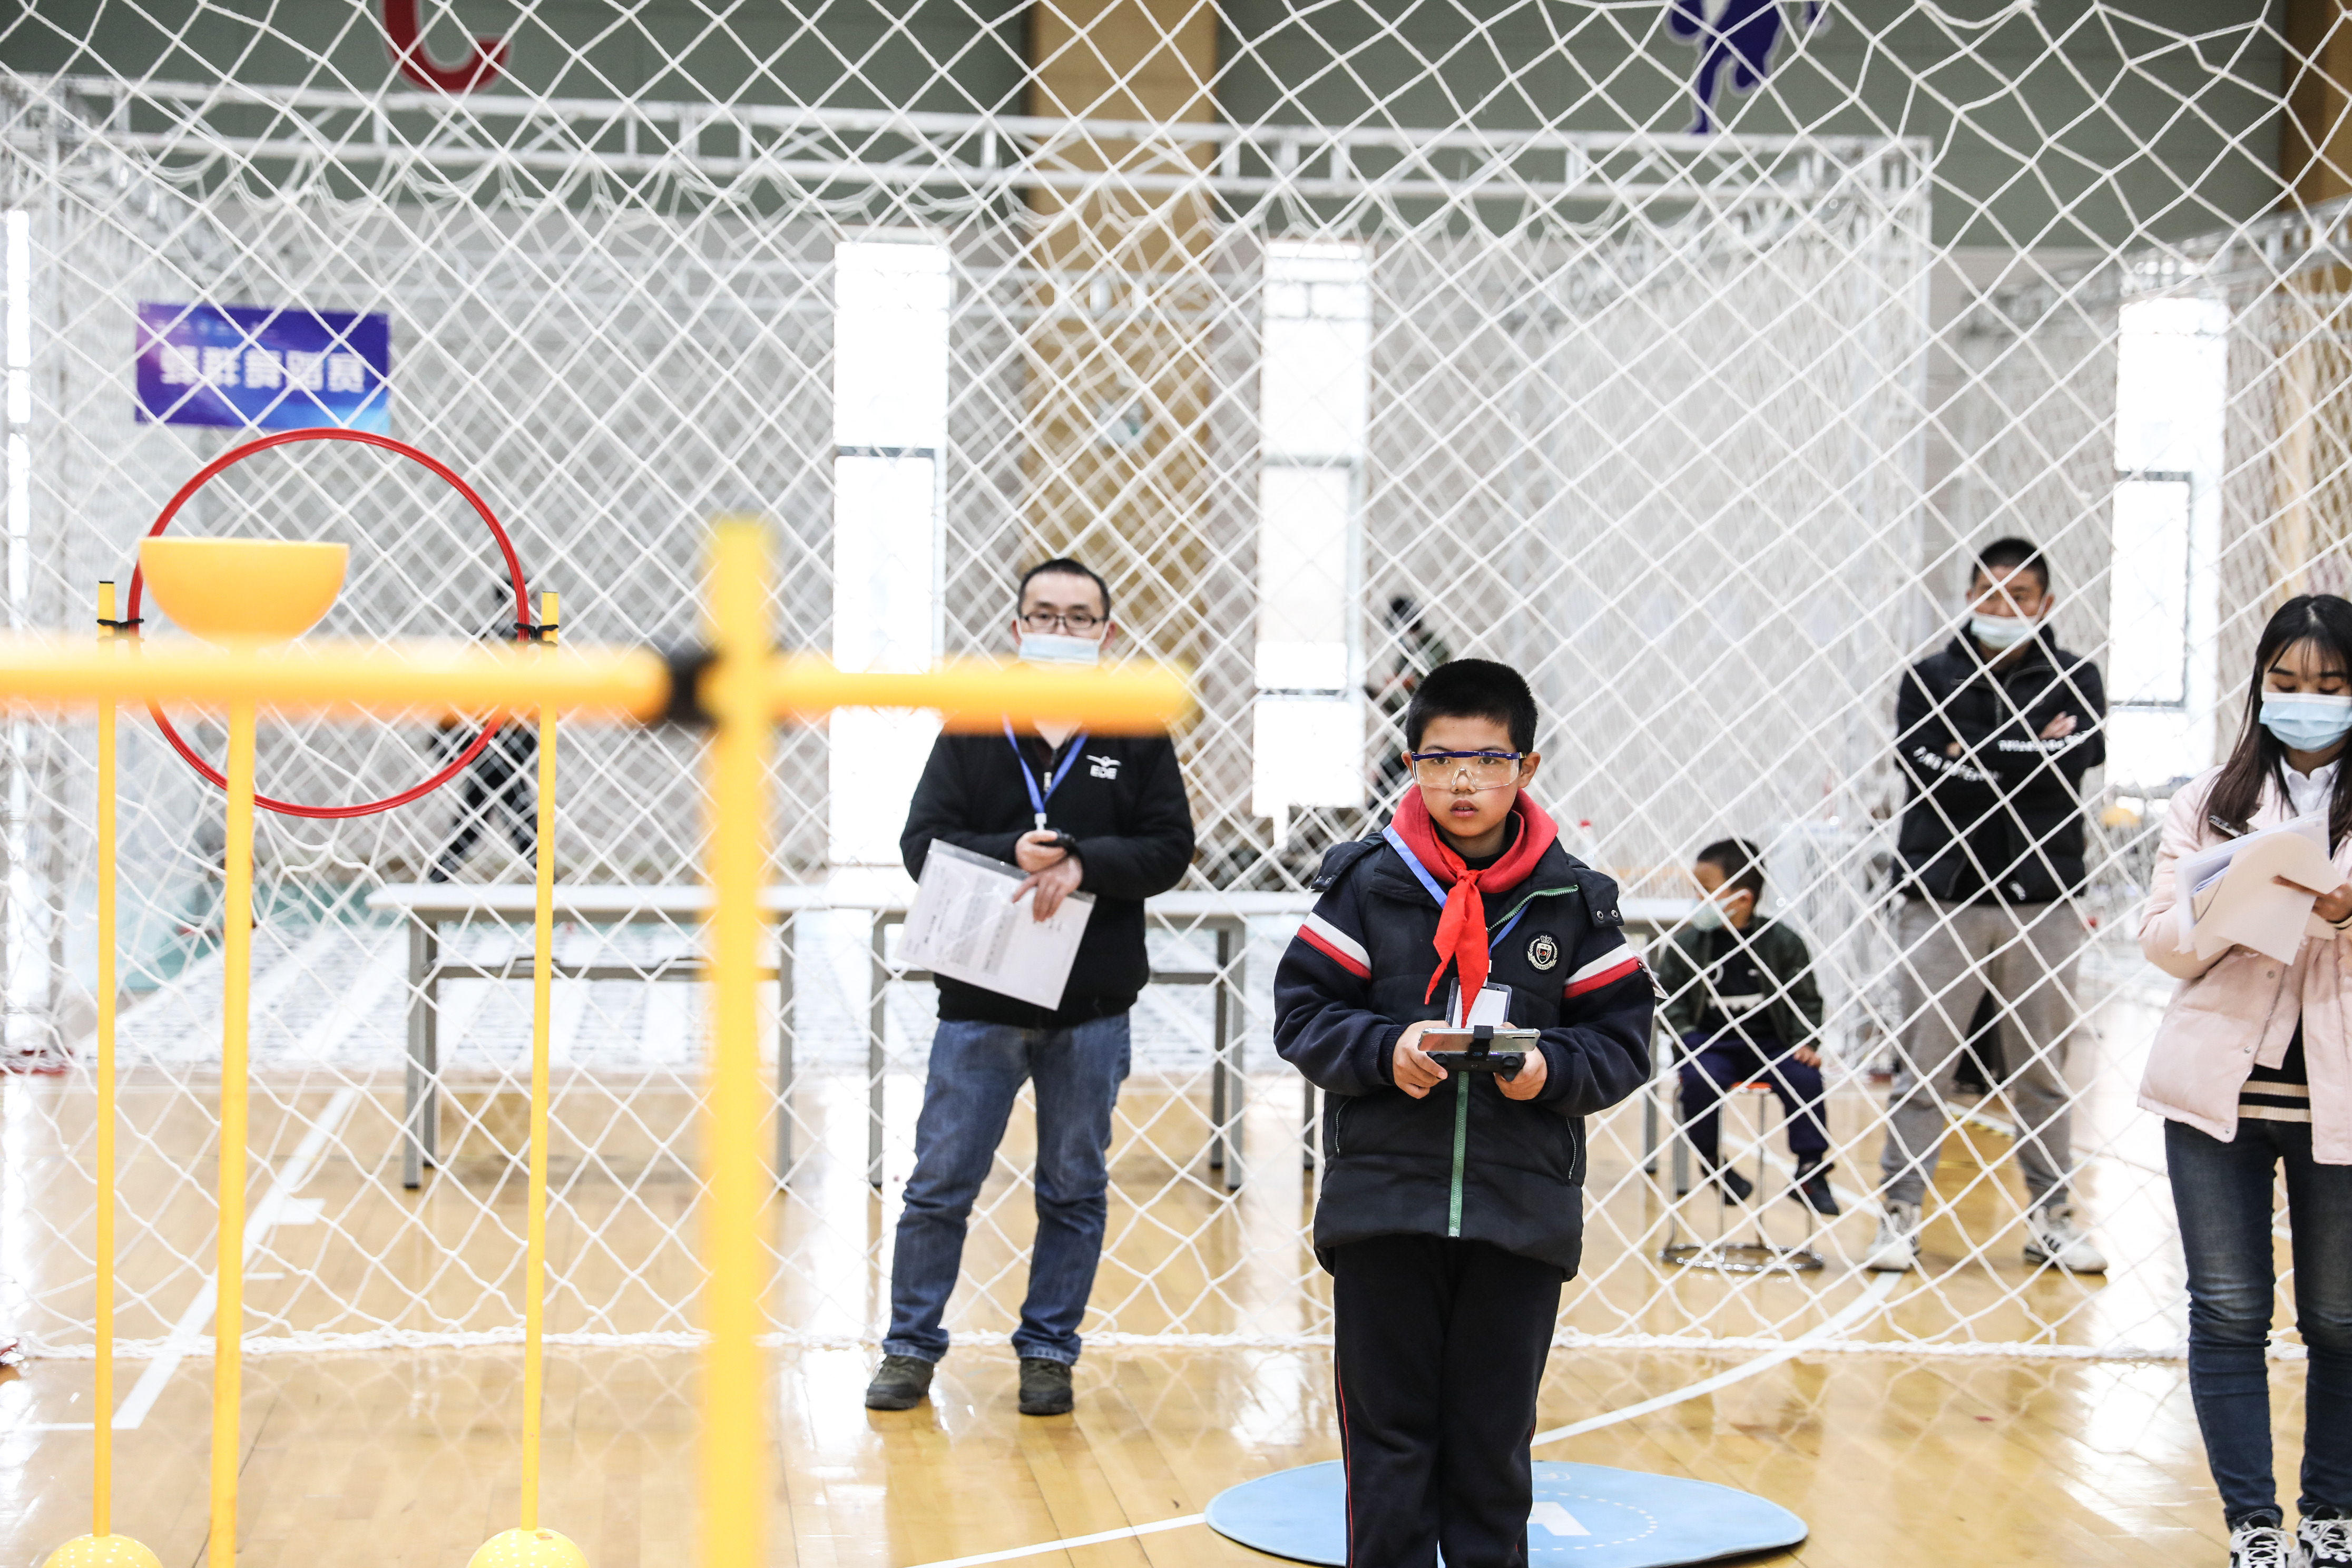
<point>966,925</point>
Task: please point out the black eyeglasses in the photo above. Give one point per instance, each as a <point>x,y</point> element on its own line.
<point>1079,621</point>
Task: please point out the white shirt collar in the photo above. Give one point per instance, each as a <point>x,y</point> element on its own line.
<point>2307,793</point>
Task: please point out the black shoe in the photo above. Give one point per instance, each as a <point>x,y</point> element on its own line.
<point>1814,1188</point>
<point>900,1382</point>
<point>1736,1188</point>
<point>1044,1386</point>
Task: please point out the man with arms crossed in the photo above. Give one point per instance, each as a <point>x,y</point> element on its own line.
<point>1101,815</point>
<point>1994,733</point>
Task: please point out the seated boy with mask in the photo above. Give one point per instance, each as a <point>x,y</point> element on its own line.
<point>1452,1205</point>
<point>1741,996</point>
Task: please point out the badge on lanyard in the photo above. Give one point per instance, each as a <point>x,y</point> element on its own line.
<point>1051,780</point>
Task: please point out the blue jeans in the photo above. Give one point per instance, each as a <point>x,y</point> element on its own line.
<point>976,1072</point>
<point>2222,1193</point>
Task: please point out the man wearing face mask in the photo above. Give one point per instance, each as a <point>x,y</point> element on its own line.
<point>1994,733</point>
<point>1103,815</point>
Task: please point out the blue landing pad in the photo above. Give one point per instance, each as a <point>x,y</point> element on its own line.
<point>1585,1516</point>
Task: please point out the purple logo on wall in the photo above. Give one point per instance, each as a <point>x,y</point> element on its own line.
<point>264,370</point>
<point>1739,38</point>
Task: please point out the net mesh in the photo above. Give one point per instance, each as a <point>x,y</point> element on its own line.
<point>1340,339</point>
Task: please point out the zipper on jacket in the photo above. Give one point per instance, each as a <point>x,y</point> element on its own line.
<point>1460,1148</point>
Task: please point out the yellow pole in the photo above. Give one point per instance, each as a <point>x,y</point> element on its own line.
<point>734,1469</point>
<point>236,985</point>
<point>542,1025</point>
<point>102,1408</point>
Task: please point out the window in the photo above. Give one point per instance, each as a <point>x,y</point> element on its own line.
<point>2163,594</point>
<point>891,294</point>
<point>2148,661</point>
<point>1314,392</point>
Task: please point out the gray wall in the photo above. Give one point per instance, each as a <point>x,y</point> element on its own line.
<point>2079,128</point>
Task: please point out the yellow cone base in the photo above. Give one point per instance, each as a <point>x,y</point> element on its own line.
<point>106,1551</point>
<point>527,1549</point>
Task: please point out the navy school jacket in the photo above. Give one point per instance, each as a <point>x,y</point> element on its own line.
<point>1465,1161</point>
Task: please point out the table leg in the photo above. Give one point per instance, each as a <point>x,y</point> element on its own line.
<point>1229,1054</point>
<point>784,931</point>
<point>1650,1111</point>
<point>875,999</point>
<point>418,1145</point>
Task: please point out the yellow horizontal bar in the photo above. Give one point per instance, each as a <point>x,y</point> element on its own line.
<point>978,694</point>
<point>332,677</point>
<point>340,676</point>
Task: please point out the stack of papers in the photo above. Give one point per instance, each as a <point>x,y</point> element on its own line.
<point>965,925</point>
<point>2229,895</point>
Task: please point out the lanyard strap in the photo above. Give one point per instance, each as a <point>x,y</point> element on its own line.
<point>1412,863</point>
<point>1037,799</point>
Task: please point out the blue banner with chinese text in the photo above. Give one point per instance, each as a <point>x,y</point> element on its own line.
<point>264,369</point>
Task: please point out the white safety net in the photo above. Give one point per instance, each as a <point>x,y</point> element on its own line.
<point>1341,340</point>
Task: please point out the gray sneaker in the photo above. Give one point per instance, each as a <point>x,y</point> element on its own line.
<point>2053,1236</point>
<point>1044,1386</point>
<point>1895,1249</point>
<point>900,1382</point>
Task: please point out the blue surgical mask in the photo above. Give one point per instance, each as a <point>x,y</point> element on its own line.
<point>2307,722</point>
<point>1052,647</point>
<point>2001,633</point>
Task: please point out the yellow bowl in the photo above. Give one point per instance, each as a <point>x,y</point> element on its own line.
<point>243,590</point>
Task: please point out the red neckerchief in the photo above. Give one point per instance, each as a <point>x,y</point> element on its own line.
<point>1462,928</point>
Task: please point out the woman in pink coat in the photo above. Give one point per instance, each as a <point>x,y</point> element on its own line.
<point>2251,1072</point>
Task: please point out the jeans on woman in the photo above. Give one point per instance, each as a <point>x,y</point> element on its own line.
<point>2223,1193</point>
<point>976,1072</point>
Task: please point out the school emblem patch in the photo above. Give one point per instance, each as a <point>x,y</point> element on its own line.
<point>1543,953</point>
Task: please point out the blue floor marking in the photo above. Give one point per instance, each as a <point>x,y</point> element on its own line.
<point>1585,1516</point>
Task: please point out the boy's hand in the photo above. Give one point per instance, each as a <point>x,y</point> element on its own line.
<point>1808,1056</point>
<point>1528,1082</point>
<point>1410,1066</point>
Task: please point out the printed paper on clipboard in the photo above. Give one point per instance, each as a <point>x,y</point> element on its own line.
<point>965,925</point>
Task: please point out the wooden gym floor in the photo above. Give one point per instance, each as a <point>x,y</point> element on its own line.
<point>398,1457</point>
<point>408,1458</point>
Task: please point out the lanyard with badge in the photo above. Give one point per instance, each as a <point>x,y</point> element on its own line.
<point>1051,778</point>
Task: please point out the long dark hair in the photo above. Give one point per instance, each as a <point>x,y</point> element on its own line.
<point>2322,618</point>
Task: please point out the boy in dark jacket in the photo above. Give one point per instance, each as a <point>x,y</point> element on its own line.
<point>1451,1207</point>
<point>1741,996</point>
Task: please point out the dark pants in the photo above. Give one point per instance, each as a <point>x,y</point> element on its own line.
<point>1440,1347</point>
<point>1729,1059</point>
<point>977,1070</point>
<point>2222,1193</point>
<point>500,784</point>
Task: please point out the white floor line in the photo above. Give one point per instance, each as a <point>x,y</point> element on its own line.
<point>1009,1553</point>
<point>277,1207</point>
<point>1874,1296</point>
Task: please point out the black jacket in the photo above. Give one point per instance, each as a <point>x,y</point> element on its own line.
<point>1792,1004</point>
<point>1465,1161</point>
<point>2002,820</point>
<point>1124,801</point>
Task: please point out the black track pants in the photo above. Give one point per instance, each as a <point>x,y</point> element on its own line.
<point>1441,1345</point>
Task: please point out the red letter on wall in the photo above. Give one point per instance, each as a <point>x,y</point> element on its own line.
<point>407,36</point>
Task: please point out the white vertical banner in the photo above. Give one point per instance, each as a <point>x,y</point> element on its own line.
<point>890,384</point>
<point>1314,410</point>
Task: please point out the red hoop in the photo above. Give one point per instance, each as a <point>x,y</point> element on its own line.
<point>235,455</point>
